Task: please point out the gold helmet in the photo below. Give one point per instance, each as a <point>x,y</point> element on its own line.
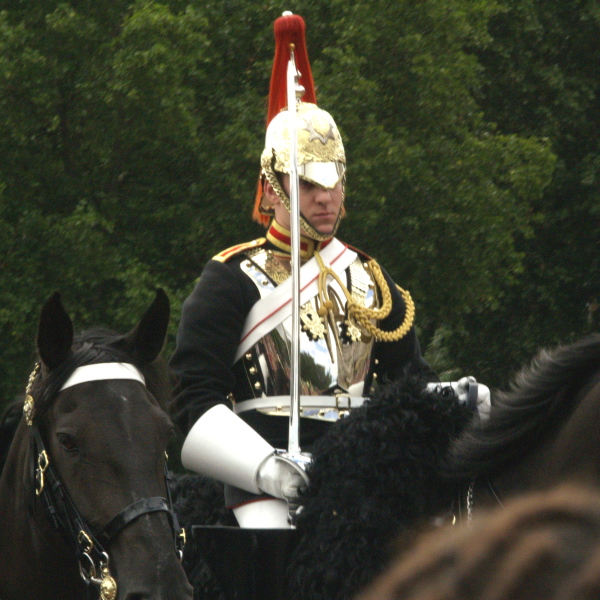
<point>320,152</point>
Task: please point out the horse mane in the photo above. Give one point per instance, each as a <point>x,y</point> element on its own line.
<point>538,400</point>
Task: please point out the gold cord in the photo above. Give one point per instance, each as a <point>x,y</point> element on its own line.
<point>360,314</point>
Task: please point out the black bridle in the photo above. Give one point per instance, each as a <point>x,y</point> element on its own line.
<point>87,544</point>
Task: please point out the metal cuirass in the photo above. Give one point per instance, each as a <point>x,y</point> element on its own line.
<point>332,362</point>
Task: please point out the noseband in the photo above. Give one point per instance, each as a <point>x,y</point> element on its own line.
<point>87,543</point>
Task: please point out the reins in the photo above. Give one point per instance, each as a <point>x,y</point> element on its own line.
<point>86,544</point>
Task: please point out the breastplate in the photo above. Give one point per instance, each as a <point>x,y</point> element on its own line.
<point>329,364</point>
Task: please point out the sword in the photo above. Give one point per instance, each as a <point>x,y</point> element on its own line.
<point>294,93</point>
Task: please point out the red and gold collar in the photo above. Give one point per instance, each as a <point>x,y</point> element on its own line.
<point>280,237</point>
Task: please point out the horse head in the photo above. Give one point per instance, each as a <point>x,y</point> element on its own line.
<point>89,462</point>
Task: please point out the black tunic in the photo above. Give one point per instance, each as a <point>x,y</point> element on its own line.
<point>209,332</point>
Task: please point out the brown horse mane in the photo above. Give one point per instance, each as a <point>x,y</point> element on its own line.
<point>544,546</point>
<point>537,403</point>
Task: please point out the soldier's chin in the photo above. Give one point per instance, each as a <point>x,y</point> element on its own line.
<point>325,228</point>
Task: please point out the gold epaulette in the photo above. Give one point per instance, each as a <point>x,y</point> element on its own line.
<point>226,255</point>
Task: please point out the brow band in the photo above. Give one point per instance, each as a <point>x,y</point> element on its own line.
<point>103,371</point>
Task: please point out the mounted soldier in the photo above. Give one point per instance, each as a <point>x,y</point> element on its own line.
<point>235,343</point>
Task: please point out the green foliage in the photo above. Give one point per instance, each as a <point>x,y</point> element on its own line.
<point>436,191</point>
<point>131,133</point>
<point>99,135</point>
<point>542,78</point>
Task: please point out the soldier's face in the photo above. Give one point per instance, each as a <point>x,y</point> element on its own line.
<point>319,206</point>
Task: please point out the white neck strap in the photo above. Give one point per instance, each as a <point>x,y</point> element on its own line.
<point>102,371</point>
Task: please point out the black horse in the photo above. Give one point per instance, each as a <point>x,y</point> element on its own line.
<point>84,502</point>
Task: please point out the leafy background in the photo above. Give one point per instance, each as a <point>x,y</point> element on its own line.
<point>130,136</point>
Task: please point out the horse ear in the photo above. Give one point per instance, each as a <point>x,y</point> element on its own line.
<point>146,340</point>
<point>55,333</point>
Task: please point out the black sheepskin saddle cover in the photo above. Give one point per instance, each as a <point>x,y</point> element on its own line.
<point>374,476</point>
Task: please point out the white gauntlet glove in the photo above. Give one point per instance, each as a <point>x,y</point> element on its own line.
<point>471,391</point>
<point>468,390</point>
<point>281,477</point>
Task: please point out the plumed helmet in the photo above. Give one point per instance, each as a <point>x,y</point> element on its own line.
<point>320,151</point>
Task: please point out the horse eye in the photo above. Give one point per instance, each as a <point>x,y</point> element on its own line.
<point>67,442</point>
